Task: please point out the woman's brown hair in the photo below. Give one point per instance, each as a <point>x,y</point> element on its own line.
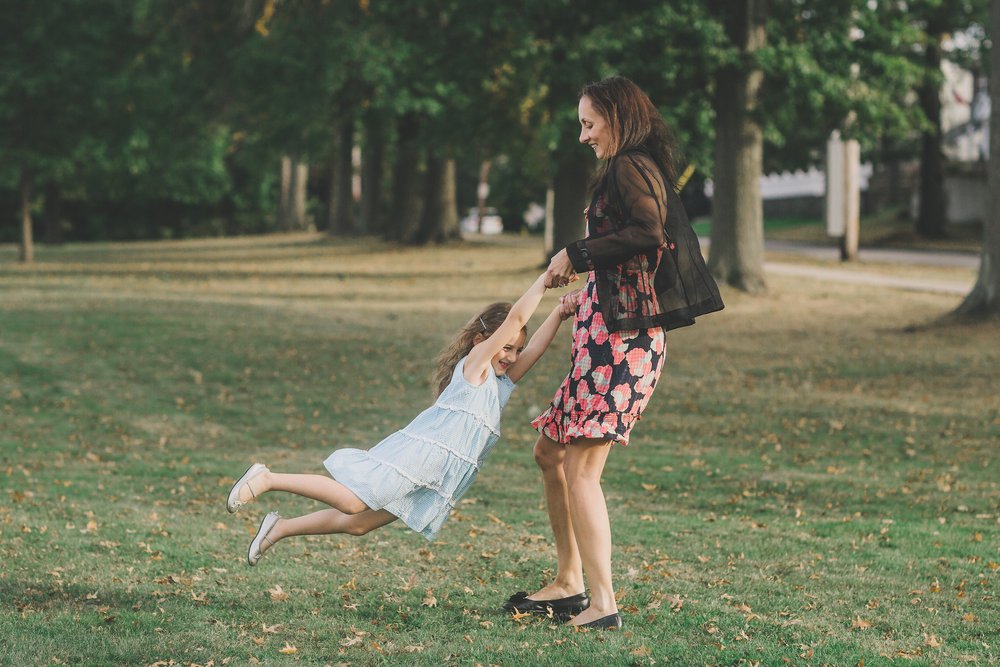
<point>635,123</point>
<point>484,323</point>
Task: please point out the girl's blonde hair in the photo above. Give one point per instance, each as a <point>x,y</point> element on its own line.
<point>484,323</point>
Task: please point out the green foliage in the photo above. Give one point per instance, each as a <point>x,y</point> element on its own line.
<point>130,105</point>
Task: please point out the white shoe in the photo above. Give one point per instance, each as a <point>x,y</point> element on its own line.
<point>266,524</point>
<point>233,504</point>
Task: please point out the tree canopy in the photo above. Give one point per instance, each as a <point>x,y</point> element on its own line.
<point>160,118</point>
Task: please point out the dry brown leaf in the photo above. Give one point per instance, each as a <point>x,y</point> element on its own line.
<point>860,624</point>
<point>429,599</point>
<point>932,641</point>
<point>288,649</point>
<point>278,594</point>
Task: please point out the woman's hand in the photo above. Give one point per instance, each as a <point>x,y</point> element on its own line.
<point>560,272</point>
<point>568,304</point>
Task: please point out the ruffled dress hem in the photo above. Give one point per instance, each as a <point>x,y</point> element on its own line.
<point>562,427</point>
<point>362,465</point>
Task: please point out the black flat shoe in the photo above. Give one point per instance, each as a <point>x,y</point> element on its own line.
<point>568,606</point>
<point>609,622</point>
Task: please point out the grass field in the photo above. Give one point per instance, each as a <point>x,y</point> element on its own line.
<point>814,482</point>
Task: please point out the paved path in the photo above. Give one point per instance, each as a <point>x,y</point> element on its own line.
<point>855,273</point>
<point>887,255</point>
<point>850,275</point>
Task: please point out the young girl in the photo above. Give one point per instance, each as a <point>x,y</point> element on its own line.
<point>419,473</point>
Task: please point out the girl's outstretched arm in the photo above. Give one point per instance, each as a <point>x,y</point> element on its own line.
<point>542,338</point>
<point>478,361</point>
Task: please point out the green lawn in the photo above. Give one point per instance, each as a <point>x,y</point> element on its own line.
<point>810,484</point>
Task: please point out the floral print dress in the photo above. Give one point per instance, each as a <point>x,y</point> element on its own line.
<point>613,373</point>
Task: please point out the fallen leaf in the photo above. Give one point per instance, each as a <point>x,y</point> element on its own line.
<point>430,600</point>
<point>278,594</point>
<point>860,624</point>
<point>288,649</point>
<point>932,641</point>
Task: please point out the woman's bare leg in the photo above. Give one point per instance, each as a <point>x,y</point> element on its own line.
<point>318,487</point>
<point>585,459</point>
<point>327,522</point>
<point>550,457</point>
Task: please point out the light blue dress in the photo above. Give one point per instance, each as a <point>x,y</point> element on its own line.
<point>421,471</point>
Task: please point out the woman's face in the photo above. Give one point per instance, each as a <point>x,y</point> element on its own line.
<point>594,129</point>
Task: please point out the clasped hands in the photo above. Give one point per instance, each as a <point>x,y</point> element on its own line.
<point>560,272</point>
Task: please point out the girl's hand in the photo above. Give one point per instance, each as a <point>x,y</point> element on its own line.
<point>560,272</point>
<point>568,304</point>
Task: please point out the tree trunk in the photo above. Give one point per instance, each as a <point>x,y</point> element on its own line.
<point>932,216</point>
<point>984,299</point>
<point>52,214</point>
<point>737,237</point>
<point>569,198</point>
<point>339,212</point>
<point>372,159</point>
<point>285,198</point>
<point>292,205</point>
<point>482,192</point>
<point>439,222</point>
<point>405,211</point>
<point>300,180</point>
<point>26,251</point>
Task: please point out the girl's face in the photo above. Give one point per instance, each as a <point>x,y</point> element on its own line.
<point>594,129</point>
<point>503,359</point>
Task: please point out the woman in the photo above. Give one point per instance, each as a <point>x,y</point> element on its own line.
<point>646,275</point>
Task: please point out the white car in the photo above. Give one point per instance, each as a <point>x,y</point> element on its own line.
<point>492,223</point>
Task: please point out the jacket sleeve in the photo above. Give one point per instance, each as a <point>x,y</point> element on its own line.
<point>635,181</point>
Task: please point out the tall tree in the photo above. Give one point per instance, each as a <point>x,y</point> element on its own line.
<point>932,214</point>
<point>938,21</point>
<point>60,87</point>
<point>737,250</point>
<point>984,299</point>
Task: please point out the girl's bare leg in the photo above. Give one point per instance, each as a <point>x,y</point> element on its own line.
<point>585,459</point>
<point>550,457</point>
<point>318,487</point>
<point>328,522</point>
